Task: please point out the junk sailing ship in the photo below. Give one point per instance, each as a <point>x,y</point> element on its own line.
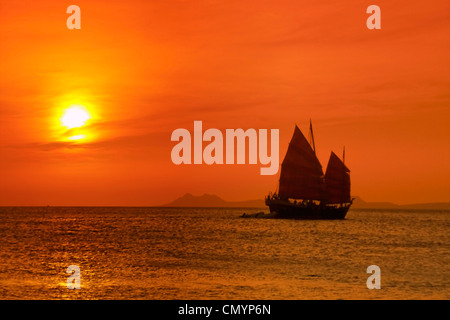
<point>304,191</point>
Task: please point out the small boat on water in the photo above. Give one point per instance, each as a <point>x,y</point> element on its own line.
<point>304,191</point>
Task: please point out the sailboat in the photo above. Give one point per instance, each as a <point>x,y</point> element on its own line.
<point>304,191</point>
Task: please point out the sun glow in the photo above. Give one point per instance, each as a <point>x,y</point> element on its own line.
<point>75,117</point>
<point>77,137</point>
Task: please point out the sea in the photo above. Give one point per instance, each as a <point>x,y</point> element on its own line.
<point>212,253</point>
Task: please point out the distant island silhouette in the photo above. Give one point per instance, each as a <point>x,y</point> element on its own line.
<point>212,200</point>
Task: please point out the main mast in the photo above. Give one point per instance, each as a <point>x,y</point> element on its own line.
<point>343,156</point>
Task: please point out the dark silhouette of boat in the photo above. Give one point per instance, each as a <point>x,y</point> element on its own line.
<point>304,191</point>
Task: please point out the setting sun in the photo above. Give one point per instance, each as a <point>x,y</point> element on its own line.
<point>75,117</point>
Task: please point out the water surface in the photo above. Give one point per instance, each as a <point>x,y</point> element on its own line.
<point>173,253</point>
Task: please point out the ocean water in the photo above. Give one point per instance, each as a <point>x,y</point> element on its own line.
<point>176,253</point>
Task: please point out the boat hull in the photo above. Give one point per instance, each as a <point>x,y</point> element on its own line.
<point>288,210</point>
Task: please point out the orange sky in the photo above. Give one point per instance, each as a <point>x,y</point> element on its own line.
<point>146,68</point>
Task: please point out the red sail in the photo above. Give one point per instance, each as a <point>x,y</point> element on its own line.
<point>337,181</point>
<point>301,174</point>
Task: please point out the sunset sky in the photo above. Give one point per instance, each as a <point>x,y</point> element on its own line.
<point>145,68</point>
